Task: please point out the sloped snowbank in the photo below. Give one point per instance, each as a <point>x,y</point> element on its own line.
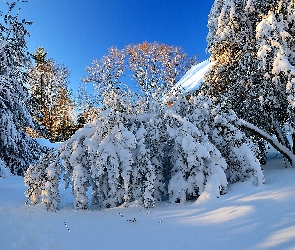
<point>247,217</point>
<point>194,78</point>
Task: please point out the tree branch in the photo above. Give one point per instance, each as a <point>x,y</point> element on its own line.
<point>274,142</point>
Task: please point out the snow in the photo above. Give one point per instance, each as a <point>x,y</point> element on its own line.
<point>47,143</point>
<point>282,64</point>
<point>194,78</point>
<point>247,217</point>
<point>4,171</point>
<point>270,139</point>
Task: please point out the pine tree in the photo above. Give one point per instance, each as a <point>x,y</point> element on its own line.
<point>17,149</point>
<point>49,88</point>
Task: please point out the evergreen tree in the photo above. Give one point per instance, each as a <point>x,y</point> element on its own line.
<point>251,53</point>
<point>49,88</point>
<point>17,149</point>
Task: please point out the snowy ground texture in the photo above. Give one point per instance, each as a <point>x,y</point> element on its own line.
<point>247,217</point>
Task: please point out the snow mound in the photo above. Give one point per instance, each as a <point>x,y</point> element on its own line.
<point>194,78</point>
<point>47,143</point>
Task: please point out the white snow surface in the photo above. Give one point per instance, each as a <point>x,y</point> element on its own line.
<point>193,78</point>
<point>47,143</point>
<point>247,217</point>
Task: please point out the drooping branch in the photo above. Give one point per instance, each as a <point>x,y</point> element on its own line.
<point>274,142</point>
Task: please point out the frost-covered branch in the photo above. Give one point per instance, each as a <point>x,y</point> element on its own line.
<point>274,142</point>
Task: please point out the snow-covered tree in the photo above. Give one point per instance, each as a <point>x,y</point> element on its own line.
<point>167,153</point>
<point>100,155</point>
<point>42,179</point>
<point>17,149</point>
<point>146,149</point>
<point>252,49</point>
<point>152,68</point>
<point>194,159</point>
<point>217,128</point>
<point>143,171</point>
<point>274,36</point>
<point>75,163</point>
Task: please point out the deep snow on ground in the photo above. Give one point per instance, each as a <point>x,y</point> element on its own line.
<point>247,217</point>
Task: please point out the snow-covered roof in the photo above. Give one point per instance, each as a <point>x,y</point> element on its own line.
<point>193,78</point>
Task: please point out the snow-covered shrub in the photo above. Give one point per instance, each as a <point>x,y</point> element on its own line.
<point>165,152</point>
<point>42,179</point>
<point>143,171</point>
<point>75,163</point>
<point>219,125</point>
<point>194,159</point>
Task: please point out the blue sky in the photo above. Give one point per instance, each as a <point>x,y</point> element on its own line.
<point>74,32</point>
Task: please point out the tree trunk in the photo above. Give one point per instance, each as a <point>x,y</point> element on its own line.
<point>278,146</point>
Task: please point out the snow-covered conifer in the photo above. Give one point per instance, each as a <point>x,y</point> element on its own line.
<point>17,149</point>
<point>276,65</point>
<point>252,51</point>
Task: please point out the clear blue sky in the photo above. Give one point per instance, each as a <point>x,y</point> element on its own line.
<point>74,32</point>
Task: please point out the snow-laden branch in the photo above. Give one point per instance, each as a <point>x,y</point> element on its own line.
<point>274,142</point>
